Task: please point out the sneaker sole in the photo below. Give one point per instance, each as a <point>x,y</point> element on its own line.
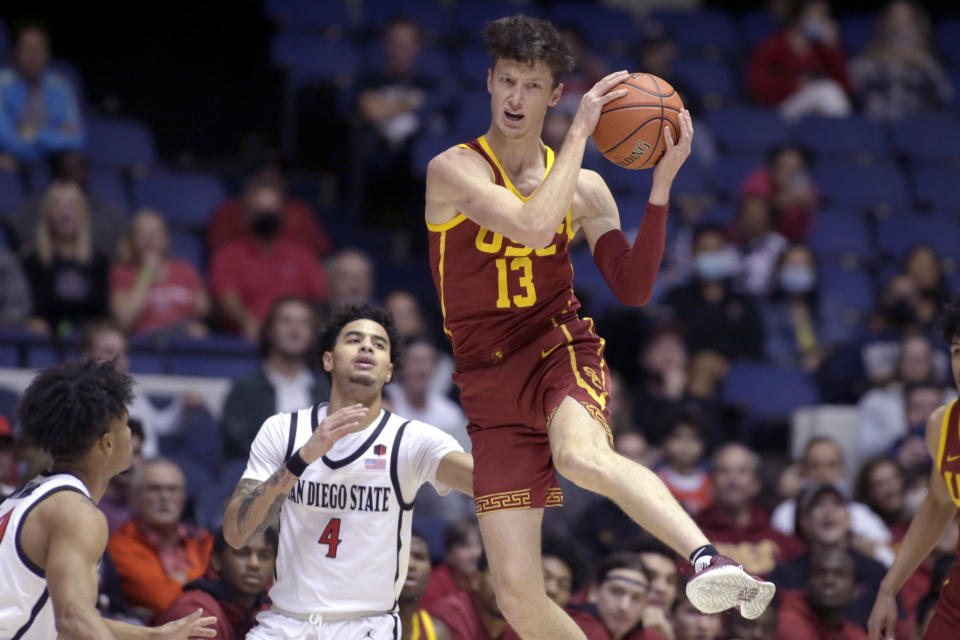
<point>723,588</point>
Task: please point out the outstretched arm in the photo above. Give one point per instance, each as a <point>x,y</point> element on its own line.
<point>458,182</point>
<point>927,526</point>
<point>630,271</point>
<point>255,505</point>
<point>456,471</point>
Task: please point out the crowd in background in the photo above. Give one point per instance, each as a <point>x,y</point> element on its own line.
<point>749,279</point>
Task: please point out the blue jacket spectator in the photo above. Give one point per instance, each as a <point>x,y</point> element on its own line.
<point>39,114</point>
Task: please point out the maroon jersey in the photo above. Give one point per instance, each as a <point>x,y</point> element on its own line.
<point>498,295</point>
<point>948,463</point>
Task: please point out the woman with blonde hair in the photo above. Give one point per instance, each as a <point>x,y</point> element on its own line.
<point>149,291</point>
<point>67,276</point>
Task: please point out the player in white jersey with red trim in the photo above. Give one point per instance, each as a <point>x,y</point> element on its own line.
<point>51,532</point>
<point>341,478</point>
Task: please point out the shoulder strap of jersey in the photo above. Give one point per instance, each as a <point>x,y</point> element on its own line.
<point>497,176</point>
<point>394,473</point>
<point>427,624</point>
<point>292,437</point>
<point>949,435</point>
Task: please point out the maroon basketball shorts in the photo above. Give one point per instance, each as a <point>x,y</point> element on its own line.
<point>510,406</point>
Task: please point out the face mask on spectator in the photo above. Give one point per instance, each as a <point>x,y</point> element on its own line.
<point>716,265</point>
<point>796,278</point>
<point>265,224</point>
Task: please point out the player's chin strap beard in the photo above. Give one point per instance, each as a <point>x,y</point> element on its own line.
<point>366,381</point>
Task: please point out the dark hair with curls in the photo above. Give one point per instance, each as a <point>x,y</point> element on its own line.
<point>567,551</point>
<point>69,405</point>
<point>345,315</point>
<point>949,322</point>
<point>269,534</point>
<point>527,40</point>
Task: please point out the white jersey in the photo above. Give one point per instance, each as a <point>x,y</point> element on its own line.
<point>345,526</point>
<point>25,609</point>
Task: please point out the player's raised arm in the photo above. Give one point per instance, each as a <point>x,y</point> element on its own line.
<point>630,271</point>
<point>256,504</point>
<point>455,184</point>
<point>927,526</point>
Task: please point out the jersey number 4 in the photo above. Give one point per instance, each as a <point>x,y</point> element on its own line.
<point>329,537</point>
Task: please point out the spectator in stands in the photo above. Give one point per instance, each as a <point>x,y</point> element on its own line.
<point>882,486</point>
<point>115,502</point>
<point>618,600</point>
<point>662,382</point>
<point>415,622</point>
<point>785,184</point>
<point>564,570</point>
<point>103,340</point>
<point>464,548</point>
<point>823,462</point>
<point>68,277</point>
<point>820,610</point>
<point>155,552</point>
<point>802,69</point>
<point>409,320</point>
<point>249,274</point>
<point>899,75</point>
<point>351,274</point>
<point>15,302</point>
<point>298,221</point>
<point>736,523</point>
<point>763,628</point>
<point>588,69</point>
<point>884,409</point>
<point>661,563</point>
<point>690,624</point>
<point>40,114</point>
<point>682,469</point>
<point>759,245</point>
<point>286,382</point>
<point>107,219</point>
<point>473,614</point>
<point>716,317</point>
<point>237,589</point>
<point>824,523</point>
<point>394,103</point>
<point>923,267</point>
<point>909,450</point>
<point>8,458</point>
<point>151,292</point>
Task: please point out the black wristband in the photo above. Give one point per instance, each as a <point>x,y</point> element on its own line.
<point>296,464</point>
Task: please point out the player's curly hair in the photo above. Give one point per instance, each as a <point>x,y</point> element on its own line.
<point>345,315</point>
<point>69,405</point>
<point>949,322</point>
<point>527,40</point>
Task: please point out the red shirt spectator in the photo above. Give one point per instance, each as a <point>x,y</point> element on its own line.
<point>464,619</point>
<point>298,224</point>
<point>171,298</point>
<point>464,549</point>
<point>779,67</point>
<point>259,274</point>
<point>585,617</point>
<point>233,621</point>
<point>440,585</point>
<point>799,622</point>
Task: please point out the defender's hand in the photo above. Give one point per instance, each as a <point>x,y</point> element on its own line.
<point>336,425</point>
<point>192,626</point>
<point>677,152</point>
<point>593,101</point>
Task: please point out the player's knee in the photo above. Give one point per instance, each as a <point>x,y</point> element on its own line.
<point>515,602</point>
<point>581,464</point>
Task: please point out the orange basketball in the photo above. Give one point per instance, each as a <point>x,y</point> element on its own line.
<point>630,130</point>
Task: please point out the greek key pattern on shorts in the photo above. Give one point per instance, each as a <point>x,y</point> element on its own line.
<point>554,497</point>
<point>519,499</point>
<point>597,414</point>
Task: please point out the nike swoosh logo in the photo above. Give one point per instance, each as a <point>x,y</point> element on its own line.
<point>952,458</point>
<point>544,354</point>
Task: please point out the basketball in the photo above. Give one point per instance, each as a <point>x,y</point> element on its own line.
<point>630,130</point>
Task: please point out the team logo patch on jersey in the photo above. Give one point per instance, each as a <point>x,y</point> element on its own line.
<point>380,449</point>
<point>374,464</point>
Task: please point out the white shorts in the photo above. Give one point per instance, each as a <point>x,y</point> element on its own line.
<point>276,626</point>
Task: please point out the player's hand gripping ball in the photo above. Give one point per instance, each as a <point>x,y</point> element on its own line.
<point>630,130</point>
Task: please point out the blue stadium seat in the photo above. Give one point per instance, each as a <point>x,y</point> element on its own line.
<point>119,143</point>
<point>748,128</point>
<point>8,402</point>
<point>948,42</point>
<point>224,345</point>
<point>928,140</point>
<point>432,61</point>
<point>432,530</point>
<point>198,475</point>
<point>311,58</point>
<point>767,391</point>
<point>185,199</point>
<point>428,146</point>
<point>840,234</point>
<point>851,136</point>
<point>431,17</point>
<point>856,30</point>
<point>712,81</point>
<point>188,246</point>
<point>708,31</point>
<point>938,187</point>
<point>720,214</point>
<point>472,63</point>
<point>473,114</point>
<point>732,170</point>
<point>217,366</point>
<point>9,356</point>
<point>757,26</point>
<point>848,184</point>
<point>147,362</point>
<point>107,184</point>
<point>41,356</point>
<point>470,15</point>
<point>897,234</point>
<point>11,192</point>
<point>603,27</point>
<point>309,15</point>
<point>850,290</point>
